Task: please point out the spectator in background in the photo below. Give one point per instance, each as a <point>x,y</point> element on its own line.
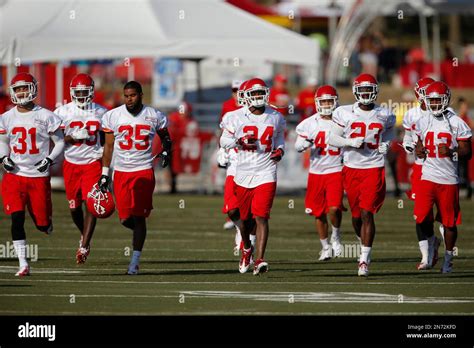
<point>279,95</point>
<point>5,102</point>
<point>231,103</point>
<point>179,121</point>
<point>368,57</point>
<point>466,167</point>
<point>305,100</point>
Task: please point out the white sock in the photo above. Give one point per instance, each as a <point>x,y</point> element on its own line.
<point>20,249</point>
<point>238,238</point>
<point>448,256</point>
<point>324,243</point>
<point>424,250</point>
<point>136,257</point>
<point>365,254</point>
<point>336,233</point>
<point>253,239</point>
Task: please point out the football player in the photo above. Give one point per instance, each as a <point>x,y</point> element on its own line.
<point>258,133</point>
<point>228,159</point>
<point>81,123</point>
<point>324,191</point>
<point>443,138</point>
<point>364,167</point>
<point>428,245</point>
<point>25,135</point>
<point>129,132</point>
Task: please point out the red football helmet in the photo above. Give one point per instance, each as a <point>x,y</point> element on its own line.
<point>23,80</point>
<point>420,88</point>
<point>256,93</point>
<point>437,97</point>
<point>323,93</point>
<point>241,94</point>
<point>82,90</point>
<point>100,204</point>
<point>365,89</point>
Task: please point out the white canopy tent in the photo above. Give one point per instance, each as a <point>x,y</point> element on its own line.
<point>54,30</point>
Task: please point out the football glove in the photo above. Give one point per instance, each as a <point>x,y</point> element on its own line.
<point>43,165</point>
<point>356,142</point>
<point>80,134</point>
<point>248,143</point>
<point>8,164</point>
<point>409,147</point>
<point>277,155</point>
<point>383,148</point>
<point>165,158</point>
<point>222,158</point>
<point>307,143</point>
<point>104,183</point>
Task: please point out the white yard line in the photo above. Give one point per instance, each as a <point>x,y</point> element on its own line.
<point>257,283</point>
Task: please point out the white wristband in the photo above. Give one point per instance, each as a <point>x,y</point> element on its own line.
<point>105,171</point>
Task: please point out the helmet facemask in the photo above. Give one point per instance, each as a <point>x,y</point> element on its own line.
<point>324,105</point>
<point>437,104</point>
<point>82,95</point>
<point>366,93</point>
<point>24,96</point>
<point>257,96</point>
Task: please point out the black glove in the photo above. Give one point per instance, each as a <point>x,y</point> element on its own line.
<point>43,165</point>
<point>104,183</point>
<point>165,158</point>
<point>8,164</point>
<point>277,155</point>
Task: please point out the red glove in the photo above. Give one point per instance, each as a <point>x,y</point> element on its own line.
<point>248,142</point>
<point>277,155</point>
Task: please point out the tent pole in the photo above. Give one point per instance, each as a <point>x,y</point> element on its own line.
<point>436,47</point>
<point>59,84</point>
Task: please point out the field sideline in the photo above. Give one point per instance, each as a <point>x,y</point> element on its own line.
<point>188,267</point>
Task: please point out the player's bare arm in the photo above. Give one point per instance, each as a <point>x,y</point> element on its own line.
<point>420,150</point>
<point>165,154</point>
<point>104,180</point>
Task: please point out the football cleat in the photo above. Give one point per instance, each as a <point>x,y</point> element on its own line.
<point>132,270</point>
<point>433,252</point>
<point>246,260</point>
<point>325,254</point>
<point>260,267</point>
<point>421,266</point>
<point>447,267</point>
<point>23,271</point>
<point>81,255</point>
<point>228,225</point>
<point>363,270</point>
<point>337,248</point>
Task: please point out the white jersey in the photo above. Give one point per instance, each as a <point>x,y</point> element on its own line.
<point>410,119</point>
<point>255,168</point>
<point>29,137</point>
<point>133,136</point>
<point>74,118</point>
<point>325,159</point>
<point>233,157</point>
<point>434,131</point>
<point>374,126</point>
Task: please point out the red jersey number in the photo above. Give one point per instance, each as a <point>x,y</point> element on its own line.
<point>22,146</point>
<point>265,139</point>
<point>360,130</point>
<point>92,128</point>
<point>320,143</point>
<point>430,145</point>
<point>141,133</point>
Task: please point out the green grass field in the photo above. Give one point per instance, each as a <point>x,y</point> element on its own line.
<point>188,267</point>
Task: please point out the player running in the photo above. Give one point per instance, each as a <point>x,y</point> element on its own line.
<point>26,132</point>
<point>443,138</point>
<point>81,123</point>
<point>364,167</point>
<point>129,131</point>
<point>258,132</point>
<point>324,192</point>
<point>428,244</point>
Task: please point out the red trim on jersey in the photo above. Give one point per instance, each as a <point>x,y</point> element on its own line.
<point>106,130</point>
<point>463,138</point>
<point>3,131</point>
<point>303,136</point>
